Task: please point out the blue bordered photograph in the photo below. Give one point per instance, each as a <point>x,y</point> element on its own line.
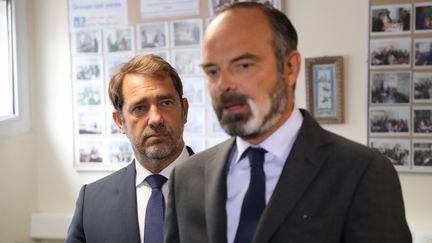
<point>324,87</point>
<point>391,19</point>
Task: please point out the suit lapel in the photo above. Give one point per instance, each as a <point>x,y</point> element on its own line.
<point>128,202</point>
<point>299,171</point>
<point>216,191</point>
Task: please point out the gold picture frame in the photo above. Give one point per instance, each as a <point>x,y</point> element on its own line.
<point>324,89</point>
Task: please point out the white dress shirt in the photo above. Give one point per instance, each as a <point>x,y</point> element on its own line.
<point>278,147</point>
<point>143,189</point>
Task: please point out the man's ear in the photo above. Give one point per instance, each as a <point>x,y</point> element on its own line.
<point>117,117</point>
<point>292,68</point>
<point>185,105</point>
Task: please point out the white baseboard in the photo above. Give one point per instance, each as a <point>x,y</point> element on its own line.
<point>49,226</point>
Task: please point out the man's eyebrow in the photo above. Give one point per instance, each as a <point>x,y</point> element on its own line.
<point>238,58</point>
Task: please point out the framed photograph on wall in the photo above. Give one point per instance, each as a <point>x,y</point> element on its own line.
<point>423,17</point>
<point>390,19</point>
<point>390,53</point>
<point>324,88</point>
<point>396,150</point>
<point>390,87</point>
<point>422,86</point>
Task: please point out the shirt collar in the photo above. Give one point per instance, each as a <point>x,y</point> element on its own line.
<point>278,144</point>
<point>142,173</point>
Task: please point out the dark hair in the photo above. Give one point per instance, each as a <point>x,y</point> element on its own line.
<point>141,64</point>
<point>284,34</point>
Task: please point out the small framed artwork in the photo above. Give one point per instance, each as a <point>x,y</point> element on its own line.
<point>422,86</point>
<point>389,120</point>
<point>422,155</point>
<point>422,120</point>
<point>422,53</point>
<point>152,35</point>
<point>396,150</point>
<point>391,53</point>
<point>86,42</point>
<point>324,88</point>
<point>112,62</point>
<point>390,19</point>
<point>186,32</point>
<point>423,17</point>
<point>119,40</point>
<point>390,87</point>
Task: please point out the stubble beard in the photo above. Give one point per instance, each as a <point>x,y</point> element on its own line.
<point>156,152</point>
<point>258,119</point>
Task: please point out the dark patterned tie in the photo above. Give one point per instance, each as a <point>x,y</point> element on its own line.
<point>154,219</point>
<point>254,200</point>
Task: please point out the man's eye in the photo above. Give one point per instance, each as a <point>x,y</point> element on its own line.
<point>211,72</point>
<point>166,102</point>
<point>245,65</point>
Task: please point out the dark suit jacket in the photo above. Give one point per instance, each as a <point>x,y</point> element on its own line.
<point>330,190</point>
<point>106,210</point>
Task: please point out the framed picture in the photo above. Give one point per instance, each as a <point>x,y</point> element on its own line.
<point>422,86</point>
<point>119,40</point>
<point>390,19</point>
<point>152,35</point>
<point>422,53</point>
<point>392,53</point>
<point>390,87</point>
<point>186,32</point>
<point>324,88</point>
<point>389,120</point>
<point>87,68</point>
<point>422,120</point>
<point>422,154</point>
<point>423,17</point>
<point>86,42</point>
<point>396,150</point>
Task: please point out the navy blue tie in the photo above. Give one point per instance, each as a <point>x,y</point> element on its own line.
<point>254,200</point>
<point>154,219</point>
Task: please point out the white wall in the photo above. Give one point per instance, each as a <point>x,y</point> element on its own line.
<point>42,161</point>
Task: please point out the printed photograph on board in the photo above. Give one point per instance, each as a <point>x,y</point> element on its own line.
<point>389,120</point>
<point>390,87</point>
<point>396,150</point>
<point>422,86</point>
<point>392,53</point>
<point>390,19</point>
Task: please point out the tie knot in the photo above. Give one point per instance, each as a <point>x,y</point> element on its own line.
<point>256,156</point>
<point>156,181</point>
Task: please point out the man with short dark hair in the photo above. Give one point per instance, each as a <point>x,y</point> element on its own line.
<point>128,205</point>
<point>281,178</point>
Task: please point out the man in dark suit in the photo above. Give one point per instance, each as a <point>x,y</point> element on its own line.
<point>281,177</point>
<point>128,205</point>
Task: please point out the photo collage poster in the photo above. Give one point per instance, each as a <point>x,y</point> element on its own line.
<point>400,83</point>
<point>103,35</point>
